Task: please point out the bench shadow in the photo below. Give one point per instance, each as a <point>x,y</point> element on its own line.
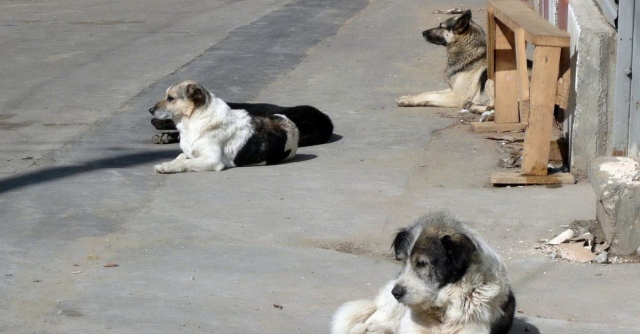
<point>521,325</point>
<point>49,174</point>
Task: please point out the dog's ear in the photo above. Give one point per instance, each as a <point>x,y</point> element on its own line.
<point>462,23</point>
<point>401,244</point>
<point>459,249</point>
<point>196,94</point>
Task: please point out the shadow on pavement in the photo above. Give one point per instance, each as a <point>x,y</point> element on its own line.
<point>302,157</point>
<point>520,325</point>
<point>53,173</point>
<point>334,138</point>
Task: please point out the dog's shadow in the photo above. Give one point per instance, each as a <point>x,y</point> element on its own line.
<point>300,157</point>
<point>334,138</point>
<point>520,325</point>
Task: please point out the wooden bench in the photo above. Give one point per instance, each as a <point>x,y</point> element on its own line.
<point>520,104</point>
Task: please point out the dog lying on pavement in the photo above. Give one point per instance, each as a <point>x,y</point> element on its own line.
<point>213,136</point>
<point>466,69</point>
<point>451,283</point>
<point>314,126</point>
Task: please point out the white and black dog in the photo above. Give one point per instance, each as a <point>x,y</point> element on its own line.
<point>452,282</point>
<point>213,136</point>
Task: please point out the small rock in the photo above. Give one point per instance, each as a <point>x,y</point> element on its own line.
<point>602,258</point>
<point>9,274</point>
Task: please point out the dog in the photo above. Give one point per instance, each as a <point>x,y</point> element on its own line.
<point>213,136</point>
<point>314,126</point>
<point>452,282</point>
<point>466,70</point>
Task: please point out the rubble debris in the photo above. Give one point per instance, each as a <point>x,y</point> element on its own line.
<point>562,237</point>
<point>487,116</point>
<point>111,264</point>
<point>456,10</point>
<point>582,241</point>
<point>507,139</point>
<point>603,257</point>
<point>280,307</point>
<point>576,252</point>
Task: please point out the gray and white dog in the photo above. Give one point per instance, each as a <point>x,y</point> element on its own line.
<point>466,69</point>
<point>451,283</point>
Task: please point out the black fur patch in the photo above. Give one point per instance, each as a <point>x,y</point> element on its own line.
<point>462,23</point>
<point>503,324</point>
<point>434,36</point>
<point>267,144</point>
<point>401,244</point>
<point>449,257</point>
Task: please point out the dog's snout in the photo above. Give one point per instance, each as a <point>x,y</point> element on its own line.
<point>424,33</point>
<point>151,110</point>
<point>398,292</point>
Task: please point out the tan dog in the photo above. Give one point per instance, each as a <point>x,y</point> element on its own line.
<point>213,136</point>
<point>466,70</point>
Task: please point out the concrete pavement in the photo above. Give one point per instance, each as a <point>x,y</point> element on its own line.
<point>213,252</point>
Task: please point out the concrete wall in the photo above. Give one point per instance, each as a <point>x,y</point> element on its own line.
<point>591,103</point>
<point>588,119</point>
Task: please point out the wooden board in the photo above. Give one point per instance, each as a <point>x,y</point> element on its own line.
<point>523,75</point>
<point>535,156</point>
<point>564,82</point>
<point>537,30</point>
<point>491,39</point>
<point>494,127</point>
<point>511,178</point>
<point>506,76</point>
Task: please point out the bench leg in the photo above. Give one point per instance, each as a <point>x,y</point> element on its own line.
<point>491,43</point>
<point>506,76</point>
<point>546,64</point>
<point>523,75</point>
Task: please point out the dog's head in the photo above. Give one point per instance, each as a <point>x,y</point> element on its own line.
<point>449,30</point>
<point>181,100</point>
<point>436,252</point>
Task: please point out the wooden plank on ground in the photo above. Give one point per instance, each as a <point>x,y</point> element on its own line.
<point>495,127</point>
<point>506,76</point>
<point>538,31</point>
<point>511,178</point>
<point>535,156</point>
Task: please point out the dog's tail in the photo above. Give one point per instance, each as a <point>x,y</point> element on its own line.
<point>352,314</point>
<point>315,126</point>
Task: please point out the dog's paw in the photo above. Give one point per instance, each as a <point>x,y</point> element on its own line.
<point>468,105</point>
<point>165,168</point>
<point>376,328</point>
<point>359,329</point>
<point>405,101</point>
<point>166,138</point>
